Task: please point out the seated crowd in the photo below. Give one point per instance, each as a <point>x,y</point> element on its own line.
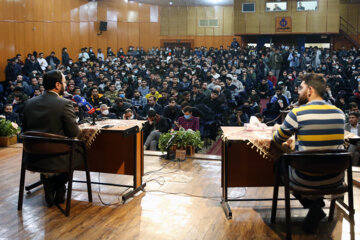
<point>200,89</point>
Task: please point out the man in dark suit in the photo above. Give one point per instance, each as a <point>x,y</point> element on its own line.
<point>50,113</point>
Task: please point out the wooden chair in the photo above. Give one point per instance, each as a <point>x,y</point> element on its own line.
<point>315,162</point>
<point>45,144</point>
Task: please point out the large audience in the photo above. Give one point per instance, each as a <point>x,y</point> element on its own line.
<point>201,88</point>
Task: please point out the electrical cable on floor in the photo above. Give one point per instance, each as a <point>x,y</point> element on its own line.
<point>163,181</point>
<point>119,202</point>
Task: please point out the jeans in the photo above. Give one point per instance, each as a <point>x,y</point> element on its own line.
<point>152,140</point>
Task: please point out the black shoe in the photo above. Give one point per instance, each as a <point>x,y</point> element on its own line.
<point>313,217</point>
<point>60,195</point>
<point>49,187</point>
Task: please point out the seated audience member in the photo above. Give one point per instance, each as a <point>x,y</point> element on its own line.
<point>143,88</point>
<point>96,98</point>
<point>119,107</point>
<point>196,96</point>
<point>105,114</point>
<point>152,104</point>
<point>154,126</point>
<point>213,102</point>
<point>112,94</point>
<point>128,115</point>
<point>80,113</point>
<point>10,115</point>
<point>354,127</point>
<point>164,100</point>
<point>239,118</point>
<point>153,93</point>
<point>188,121</point>
<point>138,101</point>
<point>172,111</point>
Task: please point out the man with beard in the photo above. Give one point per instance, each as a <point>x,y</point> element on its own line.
<point>50,113</point>
<point>318,126</point>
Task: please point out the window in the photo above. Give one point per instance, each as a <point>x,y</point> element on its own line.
<point>248,7</point>
<point>208,22</point>
<point>275,6</point>
<point>306,5</point>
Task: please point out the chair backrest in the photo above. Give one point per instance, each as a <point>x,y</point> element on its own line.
<point>39,143</point>
<point>321,162</point>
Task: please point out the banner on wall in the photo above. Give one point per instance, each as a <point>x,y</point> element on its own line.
<point>283,24</point>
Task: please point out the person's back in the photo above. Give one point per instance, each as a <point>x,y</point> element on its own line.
<point>45,113</point>
<point>317,126</point>
<point>49,113</point>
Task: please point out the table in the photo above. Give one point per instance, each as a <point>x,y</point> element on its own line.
<point>116,146</point>
<point>246,161</point>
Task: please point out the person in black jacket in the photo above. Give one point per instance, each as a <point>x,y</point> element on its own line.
<point>65,57</point>
<point>153,128</point>
<point>52,60</point>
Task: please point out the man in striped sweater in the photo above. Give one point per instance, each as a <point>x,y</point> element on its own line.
<point>316,125</point>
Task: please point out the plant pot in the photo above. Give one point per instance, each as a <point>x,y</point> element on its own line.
<point>7,141</point>
<point>190,150</point>
<point>180,154</point>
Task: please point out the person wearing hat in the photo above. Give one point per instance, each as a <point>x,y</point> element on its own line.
<point>153,127</point>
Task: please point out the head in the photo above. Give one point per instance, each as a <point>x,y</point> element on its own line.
<point>214,94</point>
<point>95,92</point>
<point>54,81</point>
<point>152,100</point>
<point>104,109</point>
<point>151,114</point>
<point>353,118</point>
<point>313,87</point>
<point>187,112</point>
<point>8,109</point>
<point>172,102</point>
<point>128,114</point>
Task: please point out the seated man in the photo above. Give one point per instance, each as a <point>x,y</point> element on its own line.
<point>239,118</point>
<point>354,127</point>
<point>10,115</point>
<point>50,113</point>
<point>318,126</point>
<point>105,114</point>
<point>154,126</point>
<point>96,99</point>
<point>119,107</point>
<point>188,121</point>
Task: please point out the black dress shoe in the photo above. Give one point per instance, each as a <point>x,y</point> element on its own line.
<point>313,217</point>
<point>49,186</point>
<point>60,195</point>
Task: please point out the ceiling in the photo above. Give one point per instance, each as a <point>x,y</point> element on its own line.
<point>187,2</point>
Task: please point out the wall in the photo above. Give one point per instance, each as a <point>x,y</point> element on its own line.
<point>47,25</point>
<point>351,13</point>
<point>183,23</point>
<point>325,20</point>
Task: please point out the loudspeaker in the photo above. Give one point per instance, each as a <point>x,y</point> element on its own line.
<point>103,26</point>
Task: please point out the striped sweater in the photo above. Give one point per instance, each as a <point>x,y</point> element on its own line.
<point>316,125</point>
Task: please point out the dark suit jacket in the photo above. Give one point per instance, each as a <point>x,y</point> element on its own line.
<point>50,113</point>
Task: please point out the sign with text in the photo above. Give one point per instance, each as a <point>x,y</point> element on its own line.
<point>283,24</point>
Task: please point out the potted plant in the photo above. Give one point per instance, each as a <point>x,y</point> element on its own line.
<point>182,141</point>
<point>8,132</point>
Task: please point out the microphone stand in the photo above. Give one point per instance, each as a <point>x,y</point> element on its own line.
<point>93,119</point>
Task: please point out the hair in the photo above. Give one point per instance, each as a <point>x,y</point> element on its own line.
<point>353,104</point>
<point>187,109</point>
<point>317,82</point>
<point>128,110</point>
<point>51,78</point>
<point>152,97</point>
<point>354,114</point>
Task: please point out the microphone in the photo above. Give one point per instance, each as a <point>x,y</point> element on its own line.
<point>83,103</point>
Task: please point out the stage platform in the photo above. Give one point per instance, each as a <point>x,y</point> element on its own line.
<point>181,201</point>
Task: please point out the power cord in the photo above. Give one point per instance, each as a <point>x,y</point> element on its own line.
<point>119,202</point>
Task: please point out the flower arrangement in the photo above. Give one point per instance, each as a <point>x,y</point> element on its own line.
<point>8,129</point>
<point>182,139</point>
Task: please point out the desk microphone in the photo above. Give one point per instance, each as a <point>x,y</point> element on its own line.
<point>83,103</point>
